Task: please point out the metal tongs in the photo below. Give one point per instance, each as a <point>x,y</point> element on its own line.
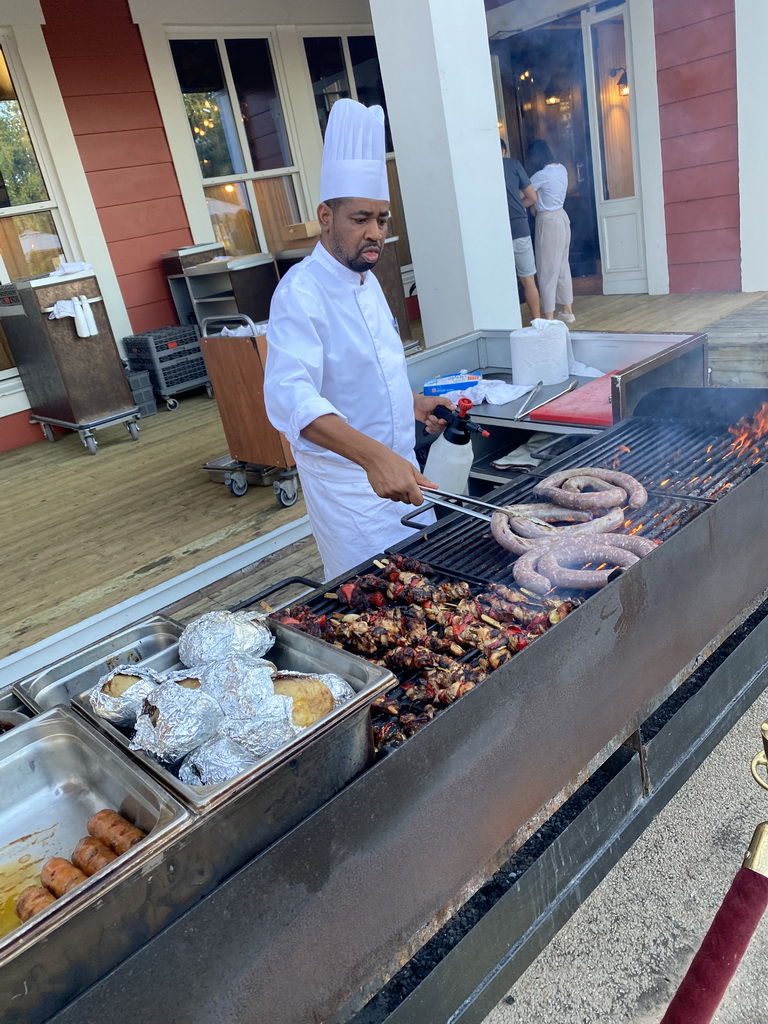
<point>458,503</point>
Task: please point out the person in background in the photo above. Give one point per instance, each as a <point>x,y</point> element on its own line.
<point>520,195</point>
<point>335,381</point>
<point>553,232</point>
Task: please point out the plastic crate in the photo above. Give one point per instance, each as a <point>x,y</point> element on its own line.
<point>171,355</point>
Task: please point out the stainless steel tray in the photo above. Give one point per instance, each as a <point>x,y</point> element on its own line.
<point>10,704</point>
<point>57,772</point>
<point>152,642</point>
<point>339,746</point>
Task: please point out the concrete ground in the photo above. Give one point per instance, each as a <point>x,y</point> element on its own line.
<point>621,957</point>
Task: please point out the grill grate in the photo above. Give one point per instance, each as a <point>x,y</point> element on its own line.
<point>692,460</point>
<point>466,545</point>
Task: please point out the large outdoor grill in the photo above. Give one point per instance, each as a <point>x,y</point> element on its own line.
<point>421,890</point>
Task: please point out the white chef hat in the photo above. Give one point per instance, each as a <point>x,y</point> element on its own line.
<point>354,155</point>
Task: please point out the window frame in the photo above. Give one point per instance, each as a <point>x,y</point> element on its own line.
<point>220,34</point>
<point>10,378</point>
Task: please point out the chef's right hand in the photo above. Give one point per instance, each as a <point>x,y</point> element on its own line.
<point>396,478</point>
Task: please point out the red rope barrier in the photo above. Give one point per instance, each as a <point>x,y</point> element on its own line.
<point>706,980</point>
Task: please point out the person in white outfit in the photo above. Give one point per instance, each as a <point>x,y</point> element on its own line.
<point>335,381</point>
<point>553,232</point>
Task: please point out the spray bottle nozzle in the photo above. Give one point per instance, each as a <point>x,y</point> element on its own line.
<point>460,415</point>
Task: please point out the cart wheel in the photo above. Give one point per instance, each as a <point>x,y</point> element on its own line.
<point>287,493</point>
<point>48,431</point>
<point>133,430</point>
<point>171,404</point>
<point>90,444</point>
<point>209,390</point>
<point>237,484</point>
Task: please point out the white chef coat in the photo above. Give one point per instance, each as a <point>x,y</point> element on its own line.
<point>333,347</point>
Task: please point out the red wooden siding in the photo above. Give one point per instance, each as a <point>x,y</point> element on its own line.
<point>696,61</point>
<point>99,61</point>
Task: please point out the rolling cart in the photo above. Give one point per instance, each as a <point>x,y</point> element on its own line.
<point>172,357</point>
<point>72,382</point>
<point>257,452</point>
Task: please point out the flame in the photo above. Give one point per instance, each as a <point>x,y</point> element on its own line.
<point>617,457</point>
<point>749,431</point>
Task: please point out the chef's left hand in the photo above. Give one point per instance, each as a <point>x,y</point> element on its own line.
<point>422,409</point>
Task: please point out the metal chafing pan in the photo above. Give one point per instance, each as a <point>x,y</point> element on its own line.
<point>152,642</point>
<point>12,710</point>
<point>56,773</point>
<point>332,752</point>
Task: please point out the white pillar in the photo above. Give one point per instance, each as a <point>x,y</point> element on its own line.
<point>751,30</point>
<point>436,68</point>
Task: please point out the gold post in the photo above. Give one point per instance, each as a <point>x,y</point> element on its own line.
<point>757,854</point>
<point>761,760</point>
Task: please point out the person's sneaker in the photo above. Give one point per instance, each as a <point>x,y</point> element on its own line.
<point>567,318</point>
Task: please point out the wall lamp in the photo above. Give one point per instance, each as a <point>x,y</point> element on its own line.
<point>621,82</point>
<point>552,93</point>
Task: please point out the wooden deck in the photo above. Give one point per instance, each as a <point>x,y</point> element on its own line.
<point>82,533</point>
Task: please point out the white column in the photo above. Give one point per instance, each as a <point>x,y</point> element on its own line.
<point>436,68</point>
<point>751,33</point>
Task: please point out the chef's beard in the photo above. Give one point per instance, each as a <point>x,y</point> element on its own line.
<point>353,261</point>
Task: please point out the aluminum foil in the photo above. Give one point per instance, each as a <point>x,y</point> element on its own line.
<point>267,731</point>
<point>125,709</point>
<point>216,634</point>
<point>217,760</point>
<point>340,688</point>
<point>184,720</point>
<point>239,684</point>
<point>180,675</point>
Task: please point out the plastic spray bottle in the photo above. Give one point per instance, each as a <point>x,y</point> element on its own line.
<point>450,455</point>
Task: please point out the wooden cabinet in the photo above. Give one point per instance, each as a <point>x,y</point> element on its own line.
<point>236,368</point>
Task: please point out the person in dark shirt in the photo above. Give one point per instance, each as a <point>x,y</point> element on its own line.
<point>520,195</point>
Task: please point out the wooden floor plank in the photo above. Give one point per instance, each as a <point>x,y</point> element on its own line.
<point>81,533</point>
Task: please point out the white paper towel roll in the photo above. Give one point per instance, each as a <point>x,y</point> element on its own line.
<point>540,353</point>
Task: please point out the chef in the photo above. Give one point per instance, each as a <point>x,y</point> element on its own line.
<point>335,381</point>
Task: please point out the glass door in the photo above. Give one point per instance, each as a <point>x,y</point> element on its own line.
<point>614,151</point>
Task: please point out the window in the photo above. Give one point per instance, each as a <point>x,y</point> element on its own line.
<point>30,243</point>
<point>236,119</point>
<point>347,67</point>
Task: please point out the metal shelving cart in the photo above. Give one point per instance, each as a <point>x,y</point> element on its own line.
<point>173,359</point>
<point>258,453</point>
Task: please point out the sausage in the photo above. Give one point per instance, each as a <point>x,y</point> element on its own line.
<point>551,488</point>
<point>502,534</point>
<point>59,876</point>
<point>526,576</point>
<point>558,561</point>
<point>31,901</point>
<point>91,855</point>
<point>114,831</point>
<point>600,524</point>
<point>637,545</point>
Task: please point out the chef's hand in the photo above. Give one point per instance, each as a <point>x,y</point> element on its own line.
<point>395,478</point>
<point>422,410</point>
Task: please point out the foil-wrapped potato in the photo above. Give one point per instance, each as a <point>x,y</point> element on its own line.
<point>310,697</point>
<point>174,720</point>
<point>119,695</point>
<point>217,634</point>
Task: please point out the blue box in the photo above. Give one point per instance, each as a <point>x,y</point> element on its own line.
<point>453,382</point>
